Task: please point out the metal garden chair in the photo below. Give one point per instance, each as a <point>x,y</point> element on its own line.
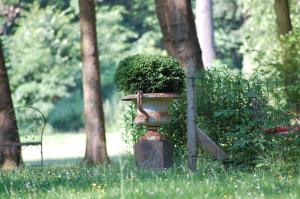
<point>30,126</point>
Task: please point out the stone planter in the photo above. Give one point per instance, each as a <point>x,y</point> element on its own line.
<point>152,151</point>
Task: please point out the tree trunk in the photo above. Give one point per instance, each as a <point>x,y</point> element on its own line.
<point>180,39</point>
<point>93,107</point>
<point>205,31</point>
<point>283,19</point>
<point>179,31</point>
<point>10,151</point>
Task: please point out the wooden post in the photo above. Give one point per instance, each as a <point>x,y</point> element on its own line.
<point>210,146</point>
<point>191,117</point>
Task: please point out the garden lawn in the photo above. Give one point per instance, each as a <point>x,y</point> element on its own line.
<point>121,179</point>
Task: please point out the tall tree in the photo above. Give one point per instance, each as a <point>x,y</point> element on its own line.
<point>180,39</point>
<point>93,107</point>
<point>283,19</point>
<point>10,151</point>
<point>205,31</point>
<point>179,31</point>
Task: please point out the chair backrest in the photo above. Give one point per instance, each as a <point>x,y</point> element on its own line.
<point>30,123</point>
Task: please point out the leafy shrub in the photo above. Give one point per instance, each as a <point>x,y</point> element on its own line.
<point>226,111</point>
<point>149,74</point>
<point>235,111</point>
<point>174,132</point>
<point>133,131</point>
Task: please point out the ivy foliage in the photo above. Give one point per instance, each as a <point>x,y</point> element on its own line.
<point>150,74</point>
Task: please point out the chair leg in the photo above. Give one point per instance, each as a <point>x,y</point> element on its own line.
<point>42,159</point>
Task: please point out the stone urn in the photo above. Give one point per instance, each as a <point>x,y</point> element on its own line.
<point>153,150</point>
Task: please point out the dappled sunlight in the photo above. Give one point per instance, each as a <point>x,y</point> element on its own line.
<point>59,148</point>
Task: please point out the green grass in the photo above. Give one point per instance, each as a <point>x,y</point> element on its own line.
<point>121,179</point>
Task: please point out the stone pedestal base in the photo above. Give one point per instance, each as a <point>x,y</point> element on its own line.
<point>153,154</point>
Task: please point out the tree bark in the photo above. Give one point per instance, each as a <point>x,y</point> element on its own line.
<point>10,151</point>
<point>93,107</point>
<point>179,31</point>
<point>180,39</point>
<point>205,31</point>
<point>283,20</point>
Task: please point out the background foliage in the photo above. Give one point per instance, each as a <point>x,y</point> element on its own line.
<point>260,37</point>
<point>44,53</point>
<point>42,57</point>
<point>228,19</point>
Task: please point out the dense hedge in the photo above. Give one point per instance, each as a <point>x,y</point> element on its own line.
<point>150,74</point>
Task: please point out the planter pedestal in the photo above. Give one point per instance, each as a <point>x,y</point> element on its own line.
<point>153,154</point>
<point>153,150</point>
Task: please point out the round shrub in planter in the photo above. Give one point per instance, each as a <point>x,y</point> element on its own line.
<point>149,74</point>
<point>154,81</point>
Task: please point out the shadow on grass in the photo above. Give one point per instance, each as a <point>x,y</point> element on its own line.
<point>69,162</point>
<point>70,176</point>
<point>54,162</point>
<point>65,174</point>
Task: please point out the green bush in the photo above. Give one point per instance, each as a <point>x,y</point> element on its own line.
<point>133,131</point>
<point>234,111</point>
<point>150,74</point>
<point>226,111</point>
<point>174,132</point>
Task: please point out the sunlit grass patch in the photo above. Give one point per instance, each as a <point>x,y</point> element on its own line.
<point>212,180</point>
